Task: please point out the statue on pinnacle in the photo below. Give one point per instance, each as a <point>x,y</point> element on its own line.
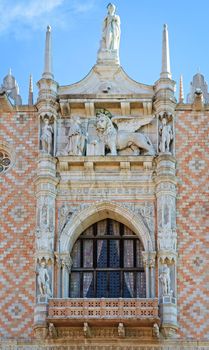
<point>110,42</point>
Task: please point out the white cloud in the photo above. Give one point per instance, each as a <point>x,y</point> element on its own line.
<point>18,15</point>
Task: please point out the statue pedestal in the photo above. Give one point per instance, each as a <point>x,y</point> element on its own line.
<point>168,311</point>
<point>108,57</point>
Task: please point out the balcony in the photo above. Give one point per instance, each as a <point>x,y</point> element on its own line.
<point>110,311</point>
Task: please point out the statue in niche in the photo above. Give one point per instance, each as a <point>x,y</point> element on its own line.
<point>166,133</point>
<point>165,280</point>
<point>44,280</point>
<point>47,136</point>
<point>111,30</point>
<point>76,139</point>
<point>124,138</point>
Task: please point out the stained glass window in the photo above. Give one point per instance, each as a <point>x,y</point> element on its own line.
<point>107,262</point>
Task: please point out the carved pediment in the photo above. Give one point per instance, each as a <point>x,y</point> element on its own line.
<point>107,80</point>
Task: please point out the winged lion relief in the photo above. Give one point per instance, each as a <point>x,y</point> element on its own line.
<point>120,134</point>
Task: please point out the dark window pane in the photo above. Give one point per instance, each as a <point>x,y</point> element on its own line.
<point>88,232</point>
<point>102,285</point>
<point>116,228</point>
<point>88,285</point>
<point>114,253</point>
<point>87,253</point>
<point>76,257</point>
<point>114,282</point>
<point>129,285</point>
<point>139,249</point>
<point>75,285</point>
<point>102,228</point>
<point>127,231</point>
<point>101,253</point>
<point>128,253</point>
<point>140,285</point>
<point>110,231</point>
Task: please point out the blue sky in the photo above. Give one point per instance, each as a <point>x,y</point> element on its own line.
<point>76,29</point>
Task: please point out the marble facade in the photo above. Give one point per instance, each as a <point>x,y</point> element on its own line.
<point>106,147</point>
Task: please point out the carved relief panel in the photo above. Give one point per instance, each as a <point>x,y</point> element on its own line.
<point>45,224</point>
<point>104,134</point>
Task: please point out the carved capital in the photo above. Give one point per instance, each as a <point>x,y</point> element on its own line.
<point>47,256</point>
<point>149,259</point>
<point>167,257</point>
<point>152,259</point>
<point>66,262</point>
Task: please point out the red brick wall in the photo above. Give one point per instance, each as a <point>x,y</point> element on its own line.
<point>17,226</point>
<point>192,153</point>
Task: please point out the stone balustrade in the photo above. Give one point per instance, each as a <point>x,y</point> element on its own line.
<point>104,309</point>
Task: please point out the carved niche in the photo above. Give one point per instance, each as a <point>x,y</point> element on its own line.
<point>47,133</point>
<point>45,224</point>
<point>165,133</point>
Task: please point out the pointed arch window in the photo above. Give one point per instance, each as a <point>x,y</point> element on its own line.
<point>107,262</point>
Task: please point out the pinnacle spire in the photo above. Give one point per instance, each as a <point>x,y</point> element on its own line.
<point>181,90</point>
<point>30,94</point>
<point>166,70</point>
<point>48,56</point>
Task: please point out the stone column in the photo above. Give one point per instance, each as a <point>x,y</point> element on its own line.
<point>149,265</point>
<point>166,241</point>
<point>152,263</point>
<point>66,269</point>
<point>46,183</point>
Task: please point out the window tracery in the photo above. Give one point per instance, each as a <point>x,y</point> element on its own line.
<point>5,161</point>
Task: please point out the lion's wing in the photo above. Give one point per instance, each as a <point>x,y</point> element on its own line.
<point>131,124</point>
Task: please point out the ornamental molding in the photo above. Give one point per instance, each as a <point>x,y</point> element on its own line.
<point>86,215</point>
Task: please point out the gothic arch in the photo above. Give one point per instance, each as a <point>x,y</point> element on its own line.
<point>86,217</point>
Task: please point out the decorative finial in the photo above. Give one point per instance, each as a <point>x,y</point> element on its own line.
<point>30,94</point>
<point>31,83</point>
<point>47,74</point>
<point>166,70</point>
<point>181,90</point>
<point>10,71</point>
